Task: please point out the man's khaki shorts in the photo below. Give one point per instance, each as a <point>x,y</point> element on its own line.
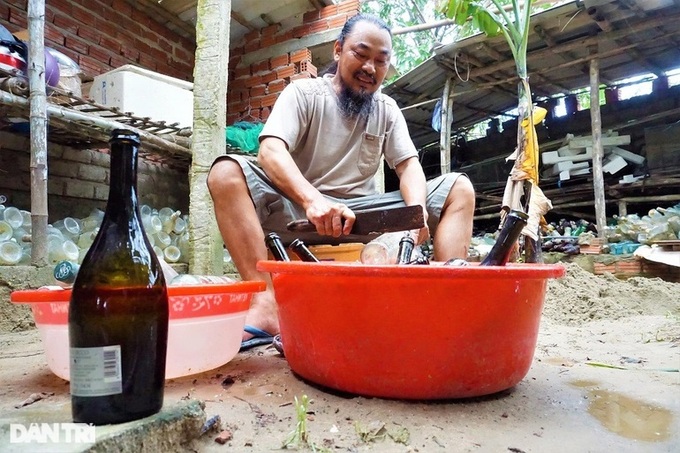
<point>275,210</point>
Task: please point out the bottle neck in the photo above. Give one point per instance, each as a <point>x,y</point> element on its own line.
<point>123,186</point>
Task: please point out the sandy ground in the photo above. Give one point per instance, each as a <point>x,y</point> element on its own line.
<point>565,403</point>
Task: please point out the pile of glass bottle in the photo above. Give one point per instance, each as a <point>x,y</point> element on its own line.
<point>70,238</point>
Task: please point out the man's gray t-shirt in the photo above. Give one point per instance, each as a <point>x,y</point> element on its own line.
<point>338,155</point>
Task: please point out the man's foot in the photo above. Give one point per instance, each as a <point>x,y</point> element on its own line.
<point>263,314</point>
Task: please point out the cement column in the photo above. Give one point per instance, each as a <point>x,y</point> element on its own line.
<point>208,139</point>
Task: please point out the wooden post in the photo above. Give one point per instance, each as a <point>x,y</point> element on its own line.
<point>38,127</point>
<point>208,138</point>
<point>598,151</point>
<point>445,132</point>
<point>623,208</point>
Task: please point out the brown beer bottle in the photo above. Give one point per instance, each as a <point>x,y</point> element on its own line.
<point>118,315</point>
<point>276,247</point>
<point>513,225</point>
<point>302,251</point>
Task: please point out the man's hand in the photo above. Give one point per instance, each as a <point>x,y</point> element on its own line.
<point>330,219</point>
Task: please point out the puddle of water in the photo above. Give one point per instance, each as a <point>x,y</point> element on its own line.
<point>626,416</point>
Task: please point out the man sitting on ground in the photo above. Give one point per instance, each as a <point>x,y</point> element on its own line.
<point>319,152</point>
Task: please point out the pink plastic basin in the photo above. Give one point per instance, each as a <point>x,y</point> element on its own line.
<point>204,332</point>
<point>411,332</point>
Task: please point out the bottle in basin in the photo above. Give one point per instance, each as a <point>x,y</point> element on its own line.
<point>118,314</point>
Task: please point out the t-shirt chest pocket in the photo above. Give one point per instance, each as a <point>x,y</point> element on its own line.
<point>370,153</point>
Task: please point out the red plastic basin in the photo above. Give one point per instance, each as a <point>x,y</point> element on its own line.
<point>410,332</point>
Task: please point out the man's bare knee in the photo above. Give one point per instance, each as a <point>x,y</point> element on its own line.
<point>462,194</point>
<point>224,176</point>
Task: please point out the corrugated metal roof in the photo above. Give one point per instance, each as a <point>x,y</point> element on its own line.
<point>630,37</point>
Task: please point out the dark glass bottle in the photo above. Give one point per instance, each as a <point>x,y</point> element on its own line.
<point>301,250</point>
<point>118,315</point>
<point>275,246</point>
<point>406,245</point>
<point>514,222</point>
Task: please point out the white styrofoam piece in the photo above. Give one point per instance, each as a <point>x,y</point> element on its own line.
<point>146,94</point>
<point>565,175</point>
<point>629,156</point>
<point>613,164</point>
<point>580,171</point>
<point>552,157</point>
<point>583,142</point>
<point>568,166</point>
<point>566,151</point>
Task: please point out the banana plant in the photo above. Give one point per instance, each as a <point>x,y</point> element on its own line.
<point>512,20</point>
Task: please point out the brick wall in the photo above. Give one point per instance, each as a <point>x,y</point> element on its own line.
<point>254,88</point>
<point>101,35</point>
<point>78,180</point>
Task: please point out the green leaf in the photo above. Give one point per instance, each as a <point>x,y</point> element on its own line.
<point>486,23</point>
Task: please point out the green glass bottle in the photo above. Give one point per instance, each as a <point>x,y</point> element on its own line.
<point>118,315</point>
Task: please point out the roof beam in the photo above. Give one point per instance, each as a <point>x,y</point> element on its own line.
<point>652,22</point>
<point>550,41</point>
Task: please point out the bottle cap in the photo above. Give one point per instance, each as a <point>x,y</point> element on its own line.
<point>125,134</point>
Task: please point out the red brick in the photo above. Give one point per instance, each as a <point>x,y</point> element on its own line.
<point>349,6</point>
<point>281,60</point>
<point>118,61</point>
<point>147,62</point>
<point>317,27</point>
<point>76,44</point>
<point>100,54</point>
<point>267,41</point>
<point>301,31</point>
<point>243,71</point>
<point>252,46</point>
<point>83,16</point>
<point>276,86</point>
<point>62,6</point>
<point>337,21</point>
<point>310,16</point>
<point>271,30</point>
<point>54,35</point>
<point>65,23</point>
<point>106,28</point>
<point>258,90</point>
<point>307,66</point>
<point>269,77</point>
<point>123,7</point>
<point>237,84</point>
<point>4,12</point>
<point>285,71</point>
<point>269,100</point>
<point>259,67</point>
<point>264,113</point>
<point>89,34</point>
<point>252,81</point>
<point>299,55</point>
<point>328,11</point>
<point>109,43</point>
<point>252,36</point>
<point>234,96</point>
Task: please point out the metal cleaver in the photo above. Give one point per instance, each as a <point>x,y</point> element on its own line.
<point>375,221</point>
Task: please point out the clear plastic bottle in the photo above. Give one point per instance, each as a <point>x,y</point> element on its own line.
<point>384,249</point>
<point>118,315</point>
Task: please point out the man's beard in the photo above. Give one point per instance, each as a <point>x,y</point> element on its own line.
<point>355,103</point>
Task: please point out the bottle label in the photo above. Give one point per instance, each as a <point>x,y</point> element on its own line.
<point>96,371</point>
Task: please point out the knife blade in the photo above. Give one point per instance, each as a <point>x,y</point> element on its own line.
<point>375,221</point>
